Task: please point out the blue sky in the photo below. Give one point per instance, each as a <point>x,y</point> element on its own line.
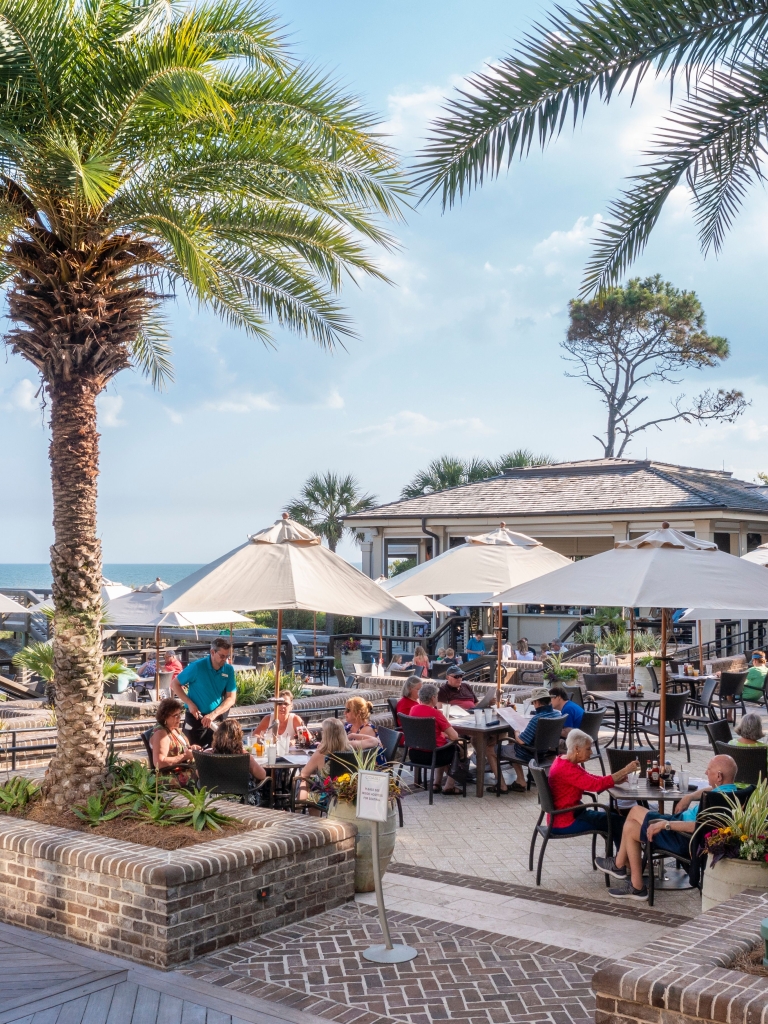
<point>459,356</point>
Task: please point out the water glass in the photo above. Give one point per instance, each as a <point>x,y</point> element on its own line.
<point>683,779</point>
<point>283,745</point>
<point>271,753</point>
<point>632,780</point>
<point>489,712</point>
<point>479,716</point>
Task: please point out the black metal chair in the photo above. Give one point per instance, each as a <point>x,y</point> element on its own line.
<point>730,692</point>
<point>390,742</point>
<point>575,693</point>
<point>547,831</point>
<point>701,710</point>
<point>654,678</point>
<point>227,774</point>
<point>590,724</point>
<point>421,741</point>
<point>719,731</point>
<point>543,750</point>
<point>601,681</point>
<point>619,758</point>
<point>393,702</point>
<point>342,762</point>
<point>674,721</point>
<point>146,737</point>
<point>752,762</point>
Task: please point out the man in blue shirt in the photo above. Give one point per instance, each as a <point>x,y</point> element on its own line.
<point>563,705</point>
<point>208,689</point>
<point>475,645</point>
<point>523,743</point>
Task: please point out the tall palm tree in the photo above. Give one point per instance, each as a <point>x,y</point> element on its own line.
<point>521,458</point>
<point>715,52</point>
<point>450,471</point>
<point>149,146</point>
<point>325,500</point>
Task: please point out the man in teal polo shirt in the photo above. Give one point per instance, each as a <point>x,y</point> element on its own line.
<point>475,645</point>
<point>208,689</point>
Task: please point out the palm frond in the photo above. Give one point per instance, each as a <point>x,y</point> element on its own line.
<point>151,352</point>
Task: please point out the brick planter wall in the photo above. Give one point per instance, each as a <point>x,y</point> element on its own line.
<point>163,907</point>
<point>685,976</point>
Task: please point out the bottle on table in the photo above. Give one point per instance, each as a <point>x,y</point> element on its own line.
<point>653,775</point>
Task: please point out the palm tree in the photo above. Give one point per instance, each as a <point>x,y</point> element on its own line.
<point>450,471</point>
<point>325,500</point>
<point>149,146</point>
<point>714,51</point>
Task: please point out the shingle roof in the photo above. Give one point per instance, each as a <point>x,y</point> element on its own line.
<point>592,486</point>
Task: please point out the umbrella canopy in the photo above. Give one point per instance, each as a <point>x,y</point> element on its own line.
<point>10,607</point>
<point>480,568</point>
<point>423,603</point>
<point>284,567</point>
<point>154,588</point>
<point>144,608</point>
<point>664,568</point>
<point>759,556</point>
<point>701,614</point>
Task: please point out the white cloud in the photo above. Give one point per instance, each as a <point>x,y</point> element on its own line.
<point>243,403</point>
<point>110,407</point>
<point>561,250</point>
<point>416,424</point>
<point>25,396</point>
<point>411,112</point>
<point>334,400</point>
<point>175,417</point>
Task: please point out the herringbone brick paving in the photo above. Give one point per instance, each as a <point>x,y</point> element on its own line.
<point>461,974</point>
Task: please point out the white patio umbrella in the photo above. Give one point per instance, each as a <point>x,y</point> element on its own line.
<point>417,603</point>
<point>759,556</point>
<point>485,565</point>
<point>664,568</point>
<point>145,608</point>
<point>284,567</point>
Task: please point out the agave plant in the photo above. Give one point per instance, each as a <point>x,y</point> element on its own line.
<point>17,793</point>
<point>138,787</point>
<point>201,811</point>
<point>96,809</point>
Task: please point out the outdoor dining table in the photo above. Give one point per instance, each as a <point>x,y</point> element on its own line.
<point>668,877</point>
<point>282,774</point>
<point>317,665</point>
<point>627,709</point>
<point>478,735</point>
<point>679,683</point>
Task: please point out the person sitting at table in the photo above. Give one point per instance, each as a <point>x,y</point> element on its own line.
<point>288,723</point>
<point>228,739</point>
<point>455,691</point>
<point>475,645</point>
<point>169,663</point>
<point>440,654</point>
<point>556,647</point>
<point>410,697</point>
<point>171,750</point>
<point>397,662</point>
<point>543,651</point>
<point>569,780</point>
<point>333,740</point>
<point>522,653</point>
<point>749,732</point>
<point>419,660</point>
<point>445,736</point>
<point>563,705</point>
<point>522,743</point>
<point>450,656</point>
<point>753,687</point>
<point>360,733</point>
<point>669,832</point>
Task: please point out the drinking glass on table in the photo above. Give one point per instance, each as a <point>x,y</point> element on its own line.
<point>683,780</point>
<point>632,779</point>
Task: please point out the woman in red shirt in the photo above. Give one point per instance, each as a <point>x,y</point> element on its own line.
<point>410,697</point>
<point>445,734</point>
<point>569,780</point>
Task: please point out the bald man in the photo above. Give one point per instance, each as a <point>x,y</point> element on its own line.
<point>670,832</point>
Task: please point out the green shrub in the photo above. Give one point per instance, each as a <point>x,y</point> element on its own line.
<point>258,686</point>
<point>17,793</point>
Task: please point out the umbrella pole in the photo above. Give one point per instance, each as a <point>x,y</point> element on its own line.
<point>277,656</point>
<point>314,634</point>
<point>381,642</point>
<point>499,670</point>
<point>701,648</point>
<point>157,663</point>
<point>631,645</point>
<point>663,688</point>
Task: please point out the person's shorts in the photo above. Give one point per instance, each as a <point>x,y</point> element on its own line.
<point>676,843</point>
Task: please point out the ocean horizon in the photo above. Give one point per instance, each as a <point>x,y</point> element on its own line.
<point>132,574</point>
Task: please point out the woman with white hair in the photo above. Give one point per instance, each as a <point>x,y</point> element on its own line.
<point>569,780</point>
<point>749,732</point>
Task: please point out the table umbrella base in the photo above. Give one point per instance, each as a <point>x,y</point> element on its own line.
<point>668,876</point>
<point>397,955</point>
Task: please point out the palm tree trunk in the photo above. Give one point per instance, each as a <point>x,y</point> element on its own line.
<point>79,763</point>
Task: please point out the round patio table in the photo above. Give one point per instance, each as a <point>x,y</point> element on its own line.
<point>282,774</point>
<point>627,708</point>
<point>478,734</point>
<point>668,876</point>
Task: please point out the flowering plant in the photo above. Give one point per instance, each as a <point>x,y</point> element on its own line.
<point>350,645</point>
<point>344,787</point>
<point>742,832</point>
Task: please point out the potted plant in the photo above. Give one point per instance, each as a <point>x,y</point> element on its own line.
<point>343,806</point>
<point>556,672</point>
<point>642,675</point>
<point>737,849</point>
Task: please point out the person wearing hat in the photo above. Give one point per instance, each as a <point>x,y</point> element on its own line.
<point>522,745</point>
<point>455,691</point>
<point>753,687</point>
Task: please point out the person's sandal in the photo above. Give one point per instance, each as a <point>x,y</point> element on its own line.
<point>450,792</point>
<point>517,788</point>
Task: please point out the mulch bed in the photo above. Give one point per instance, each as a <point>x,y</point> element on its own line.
<point>129,830</point>
<point>751,962</point>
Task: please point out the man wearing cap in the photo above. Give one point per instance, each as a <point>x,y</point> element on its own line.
<point>523,743</point>
<point>455,691</point>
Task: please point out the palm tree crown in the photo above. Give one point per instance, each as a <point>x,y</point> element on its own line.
<point>451,471</point>
<point>325,500</point>
<point>713,141</point>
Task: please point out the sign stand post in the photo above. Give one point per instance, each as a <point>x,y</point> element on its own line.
<point>372,805</point>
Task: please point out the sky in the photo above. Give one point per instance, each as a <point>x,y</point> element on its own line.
<point>460,355</point>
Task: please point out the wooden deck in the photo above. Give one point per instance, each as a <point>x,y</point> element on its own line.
<point>48,981</point>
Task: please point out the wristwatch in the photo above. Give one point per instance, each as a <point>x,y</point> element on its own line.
<point>667,826</point>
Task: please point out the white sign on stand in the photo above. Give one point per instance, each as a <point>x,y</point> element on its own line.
<point>373,806</point>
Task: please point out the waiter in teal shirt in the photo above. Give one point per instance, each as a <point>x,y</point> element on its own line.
<point>475,645</point>
<point>208,689</point>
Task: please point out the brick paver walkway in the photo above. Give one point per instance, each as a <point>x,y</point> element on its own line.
<point>461,974</point>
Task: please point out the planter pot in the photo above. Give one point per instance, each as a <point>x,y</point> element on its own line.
<point>348,662</point>
<point>642,675</point>
<point>344,810</point>
<point>727,878</point>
